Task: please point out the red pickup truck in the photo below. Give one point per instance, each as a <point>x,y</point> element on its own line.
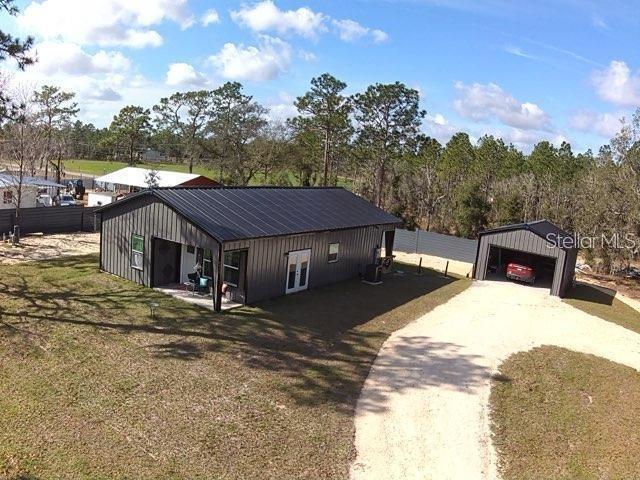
<point>521,272</point>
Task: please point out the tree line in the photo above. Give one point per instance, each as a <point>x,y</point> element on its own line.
<point>371,142</point>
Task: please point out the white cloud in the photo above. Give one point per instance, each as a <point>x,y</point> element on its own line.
<point>438,127</point>
<point>603,124</point>
<point>282,108</point>
<point>184,74</point>
<point>379,36</point>
<point>266,16</point>
<point>350,31</point>
<point>307,56</point>
<point>103,22</point>
<point>269,59</point>
<point>106,94</point>
<point>617,84</point>
<point>210,17</point>
<point>489,102</point>
<point>518,52</point>
<point>72,59</point>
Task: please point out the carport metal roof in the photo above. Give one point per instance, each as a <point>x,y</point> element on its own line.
<point>544,229</point>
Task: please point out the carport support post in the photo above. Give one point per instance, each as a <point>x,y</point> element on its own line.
<point>446,268</point>
<point>420,266</point>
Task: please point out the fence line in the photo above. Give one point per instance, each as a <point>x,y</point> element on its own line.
<point>50,220</point>
<point>436,244</point>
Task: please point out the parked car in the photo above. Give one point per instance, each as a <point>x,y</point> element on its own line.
<point>45,200</point>
<point>521,272</point>
<point>65,201</point>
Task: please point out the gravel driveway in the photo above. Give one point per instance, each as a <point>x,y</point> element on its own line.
<point>423,411</point>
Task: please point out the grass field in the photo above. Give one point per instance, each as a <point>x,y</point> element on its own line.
<point>601,303</point>
<point>92,387</point>
<point>566,415</point>
<point>100,167</point>
<point>96,168</point>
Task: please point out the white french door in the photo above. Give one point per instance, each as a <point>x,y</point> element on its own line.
<point>298,271</point>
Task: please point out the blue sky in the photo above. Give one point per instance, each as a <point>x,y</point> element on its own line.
<point>526,71</point>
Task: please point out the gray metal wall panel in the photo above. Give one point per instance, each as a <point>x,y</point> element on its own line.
<point>49,220</point>
<point>150,218</point>
<point>267,261</point>
<point>526,241</point>
<point>436,244</point>
<point>483,257</point>
<point>569,271</point>
<point>558,273</point>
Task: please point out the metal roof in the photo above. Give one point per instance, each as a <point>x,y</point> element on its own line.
<point>542,228</point>
<point>239,213</point>
<point>137,177</point>
<point>12,180</point>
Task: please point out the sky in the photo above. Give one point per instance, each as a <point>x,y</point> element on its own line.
<point>522,70</point>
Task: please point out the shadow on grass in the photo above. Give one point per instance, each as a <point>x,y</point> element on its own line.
<point>322,342</point>
<point>591,293</point>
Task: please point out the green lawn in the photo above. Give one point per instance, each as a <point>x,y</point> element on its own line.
<point>92,387</point>
<point>100,167</point>
<point>600,302</point>
<point>558,414</point>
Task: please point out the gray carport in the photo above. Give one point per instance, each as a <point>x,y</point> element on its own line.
<point>548,247</point>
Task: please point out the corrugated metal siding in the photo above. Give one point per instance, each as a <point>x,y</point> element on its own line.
<point>267,261</point>
<point>49,220</point>
<point>436,244</point>
<point>151,218</point>
<point>569,270</point>
<point>526,241</point>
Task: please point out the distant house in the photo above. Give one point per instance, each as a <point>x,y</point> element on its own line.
<point>152,155</point>
<point>134,179</point>
<point>31,186</point>
<point>251,243</point>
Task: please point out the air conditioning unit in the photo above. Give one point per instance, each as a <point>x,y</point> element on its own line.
<point>373,273</point>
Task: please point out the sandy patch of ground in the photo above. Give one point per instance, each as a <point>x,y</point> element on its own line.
<point>435,263</point>
<point>423,411</point>
<point>43,247</point>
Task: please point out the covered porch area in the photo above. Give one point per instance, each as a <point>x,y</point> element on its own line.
<point>191,273</point>
<point>185,294</point>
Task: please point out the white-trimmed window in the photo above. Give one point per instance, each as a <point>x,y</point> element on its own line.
<point>334,252</point>
<point>7,197</point>
<point>232,262</point>
<point>137,251</point>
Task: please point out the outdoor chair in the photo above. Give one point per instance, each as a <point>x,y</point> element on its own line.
<point>194,281</point>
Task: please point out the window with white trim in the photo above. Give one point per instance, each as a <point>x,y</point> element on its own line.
<point>334,251</point>
<point>7,197</point>
<point>137,251</point>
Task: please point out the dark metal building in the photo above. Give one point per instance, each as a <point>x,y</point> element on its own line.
<point>253,243</point>
<point>551,251</point>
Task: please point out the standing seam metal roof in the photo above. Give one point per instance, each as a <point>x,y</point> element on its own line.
<point>542,228</point>
<point>240,213</point>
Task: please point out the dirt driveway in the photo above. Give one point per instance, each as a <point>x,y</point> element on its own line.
<point>43,247</point>
<point>423,412</point>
